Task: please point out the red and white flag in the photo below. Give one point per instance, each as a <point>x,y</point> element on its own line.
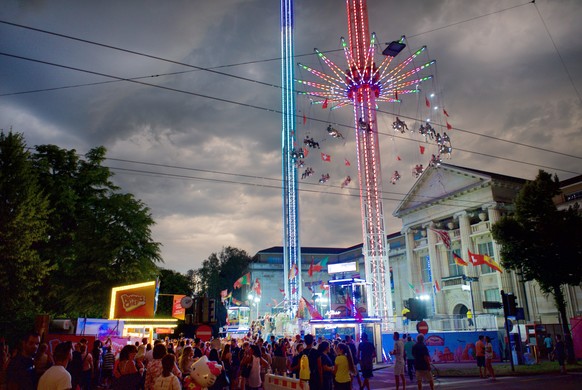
<point>422,148</point>
<point>444,236</point>
<point>324,105</point>
<point>347,162</point>
<point>325,157</point>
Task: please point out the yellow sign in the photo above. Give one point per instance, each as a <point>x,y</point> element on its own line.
<point>133,301</point>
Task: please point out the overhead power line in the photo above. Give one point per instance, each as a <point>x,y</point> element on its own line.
<point>277,111</point>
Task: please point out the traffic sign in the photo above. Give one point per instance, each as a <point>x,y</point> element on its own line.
<point>204,332</point>
<point>422,327</point>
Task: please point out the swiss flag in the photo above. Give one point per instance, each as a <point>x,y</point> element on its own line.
<point>346,162</point>
<point>325,157</point>
<point>421,149</point>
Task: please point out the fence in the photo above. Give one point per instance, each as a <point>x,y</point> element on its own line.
<point>277,382</point>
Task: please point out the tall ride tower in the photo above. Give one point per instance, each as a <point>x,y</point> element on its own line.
<point>291,246</point>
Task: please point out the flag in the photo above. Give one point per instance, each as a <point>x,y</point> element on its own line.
<point>459,261</point>
<point>421,149</point>
<point>224,293</point>
<point>274,302</point>
<point>257,287</point>
<point>304,119</point>
<point>236,302</point>
<point>396,94</point>
<point>310,270</point>
<point>245,279</point>
<point>476,259</point>
<point>436,286</point>
<point>449,127</point>
<point>444,236</point>
<point>426,102</point>
<point>492,263</point>
<point>305,152</point>
<point>177,310</point>
<point>445,112</point>
<point>411,286</point>
<point>324,105</point>
<point>398,158</point>
<point>323,262</point>
<point>293,272</point>
<point>312,310</point>
<point>282,291</point>
<point>346,162</point>
<point>325,157</point>
<point>353,309</point>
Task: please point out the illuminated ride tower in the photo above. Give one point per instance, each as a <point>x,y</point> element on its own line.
<point>363,85</point>
<point>291,246</point>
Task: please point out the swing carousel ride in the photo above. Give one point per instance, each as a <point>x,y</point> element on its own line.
<point>363,85</point>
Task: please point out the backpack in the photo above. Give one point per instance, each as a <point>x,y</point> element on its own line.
<point>304,371</point>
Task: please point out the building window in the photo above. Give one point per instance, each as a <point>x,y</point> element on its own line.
<point>454,269</point>
<point>486,249</point>
<point>493,295</point>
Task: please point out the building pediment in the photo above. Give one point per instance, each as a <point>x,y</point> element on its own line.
<point>436,185</point>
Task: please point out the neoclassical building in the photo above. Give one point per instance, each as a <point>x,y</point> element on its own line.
<point>463,203</point>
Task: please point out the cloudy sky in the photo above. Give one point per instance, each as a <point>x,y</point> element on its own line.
<point>202,149</point>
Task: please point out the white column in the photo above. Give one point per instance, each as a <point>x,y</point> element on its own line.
<point>435,267</point>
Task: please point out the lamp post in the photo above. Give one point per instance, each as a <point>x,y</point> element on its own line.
<point>472,279</point>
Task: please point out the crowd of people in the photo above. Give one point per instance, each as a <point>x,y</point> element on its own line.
<point>166,364</point>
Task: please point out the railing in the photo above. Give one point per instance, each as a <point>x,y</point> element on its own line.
<point>451,323</point>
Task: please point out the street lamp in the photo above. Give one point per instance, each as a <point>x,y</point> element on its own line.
<point>471,279</point>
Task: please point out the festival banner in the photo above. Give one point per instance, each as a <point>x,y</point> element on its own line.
<point>177,310</point>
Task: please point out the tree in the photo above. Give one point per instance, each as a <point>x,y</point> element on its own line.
<point>173,283</point>
<point>220,271</point>
<point>24,214</point>
<point>543,243</point>
<point>99,238</point>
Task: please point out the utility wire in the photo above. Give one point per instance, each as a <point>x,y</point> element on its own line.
<point>277,111</point>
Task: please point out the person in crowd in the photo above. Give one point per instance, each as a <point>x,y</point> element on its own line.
<point>560,353</point>
<point>57,377</point>
<point>269,359</point>
<point>107,367</point>
<point>245,355</point>
<point>480,356</point>
<point>42,360</point>
<point>295,362</point>
<point>315,368</point>
<point>186,360</point>
<point>255,361</point>
<point>489,358</point>
<point>86,368</point>
<point>344,368</point>
<point>127,375</point>
<point>422,363</point>
<point>354,352</point>
<point>279,358</point>
<point>409,358</point>
<point>96,354</point>
<point>366,355</point>
<point>168,381</point>
<point>20,373</point>
<point>326,365</point>
<point>398,354</point>
<point>155,367</point>
<point>549,349</point>
<point>235,364</point>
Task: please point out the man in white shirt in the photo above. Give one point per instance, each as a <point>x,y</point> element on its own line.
<point>57,377</point>
<point>398,354</point>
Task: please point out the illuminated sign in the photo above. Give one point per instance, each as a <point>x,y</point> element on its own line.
<point>342,267</point>
<point>133,301</point>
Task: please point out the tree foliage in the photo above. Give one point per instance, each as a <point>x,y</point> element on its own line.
<point>24,211</point>
<point>541,242</point>
<point>67,233</point>
<point>173,283</point>
<point>220,271</point>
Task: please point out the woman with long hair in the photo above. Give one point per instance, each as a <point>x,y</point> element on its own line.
<point>344,368</point>
<point>126,373</point>
<point>168,381</point>
<point>326,365</point>
<point>186,360</point>
<point>256,362</point>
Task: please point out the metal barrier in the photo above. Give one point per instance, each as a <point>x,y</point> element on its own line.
<point>277,382</point>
